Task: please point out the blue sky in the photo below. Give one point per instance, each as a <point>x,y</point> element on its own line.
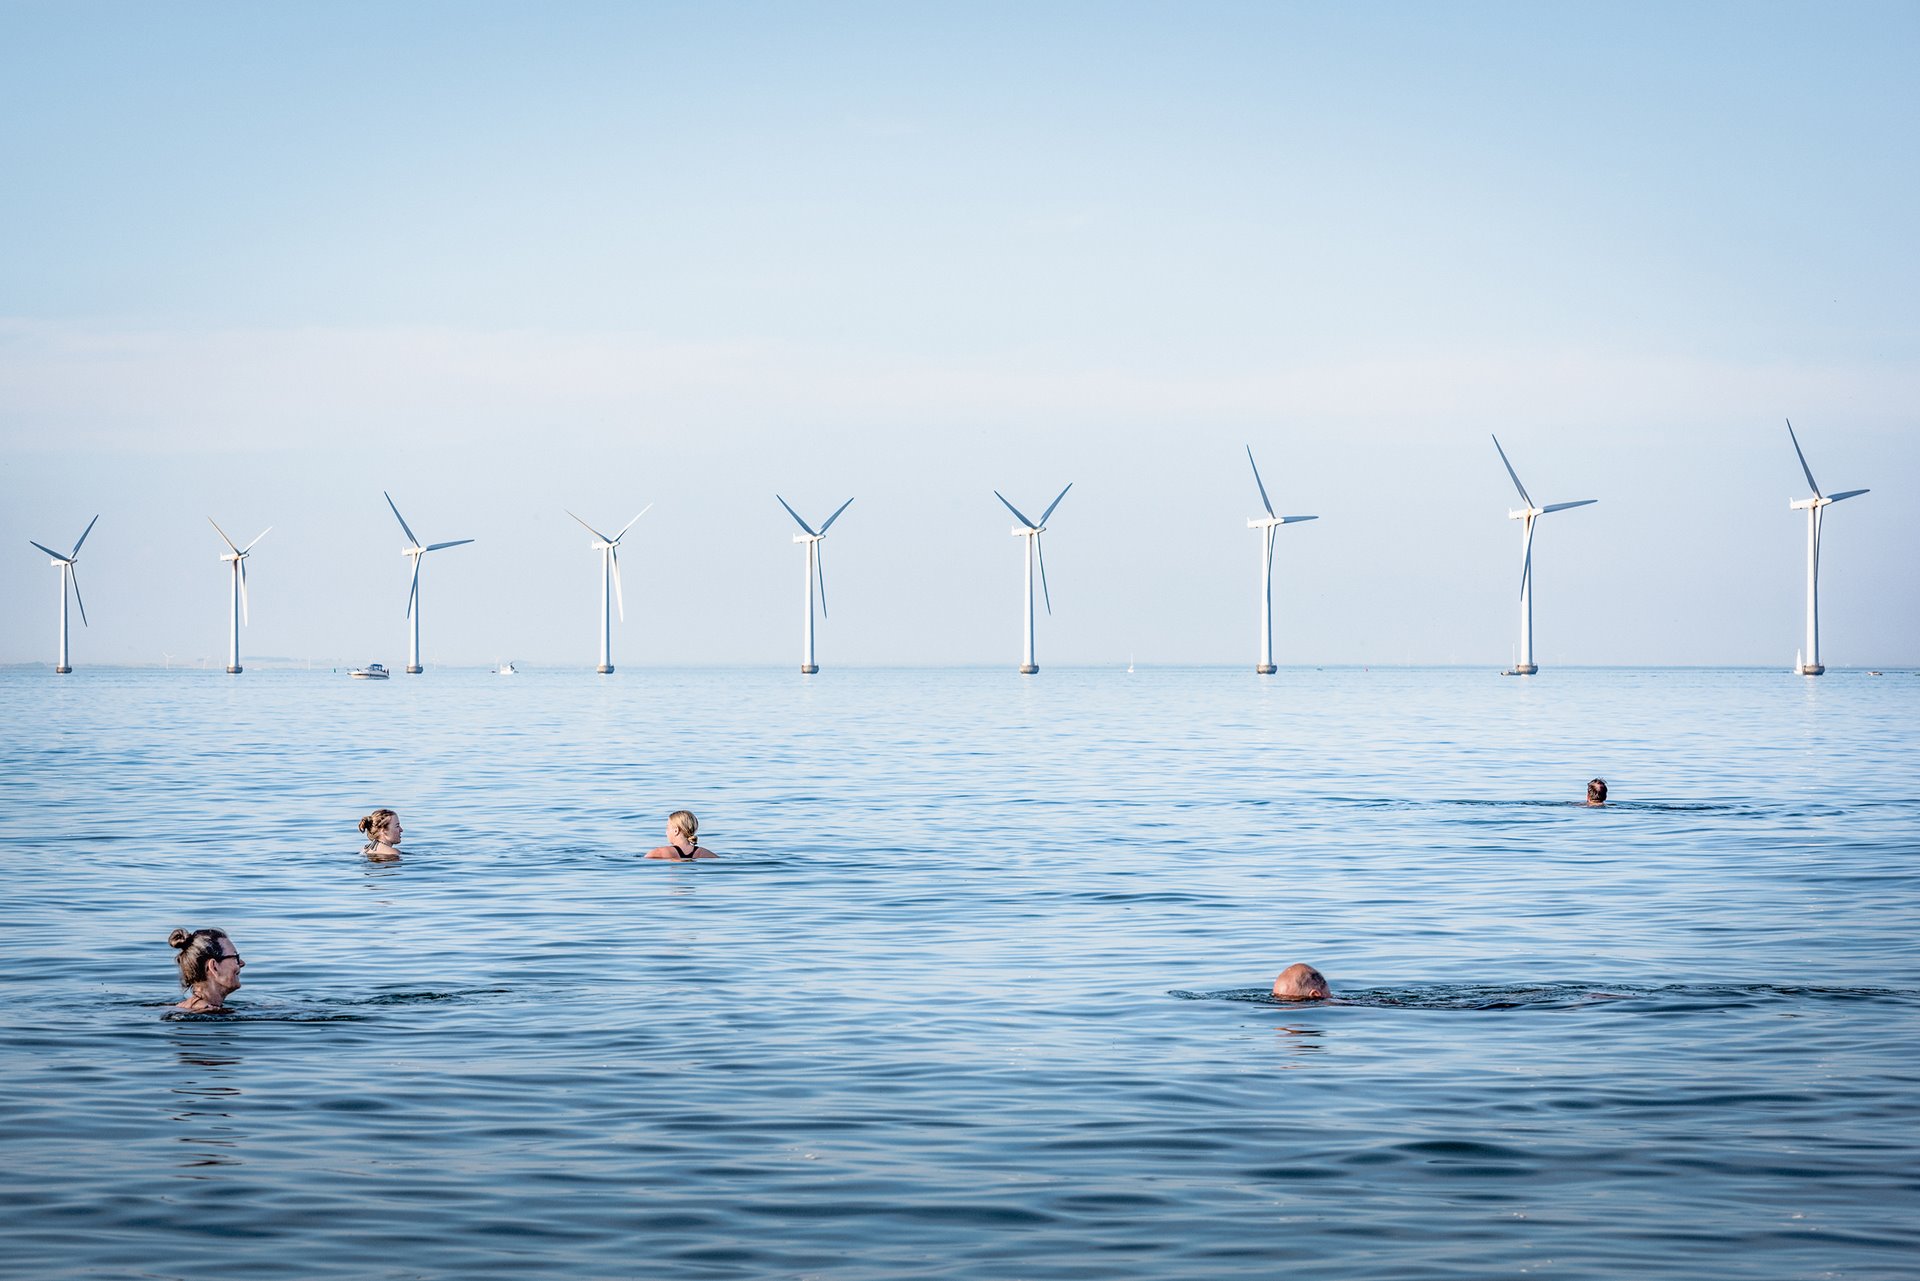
<point>261,263</point>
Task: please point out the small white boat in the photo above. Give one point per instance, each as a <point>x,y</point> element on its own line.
<point>505,669</point>
<point>371,672</point>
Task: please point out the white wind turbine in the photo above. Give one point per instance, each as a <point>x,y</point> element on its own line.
<point>238,555</point>
<point>1816,507</point>
<point>413,593</point>
<point>816,570</point>
<point>1031,531</point>
<point>68,578</point>
<point>1271,524</point>
<point>1529,514</point>
<point>610,593</point>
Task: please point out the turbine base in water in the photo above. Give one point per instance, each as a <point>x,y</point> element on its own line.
<point>1522,669</point>
<point>235,671</point>
<point>62,671</point>
<point>1813,669</point>
<point>415,671</point>
<point>604,668</point>
<point>1266,669</point>
<point>809,669</point>
<point>1028,669</point>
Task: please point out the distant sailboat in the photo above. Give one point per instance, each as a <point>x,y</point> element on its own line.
<point>1796,662</point>
<point>1129,664</point>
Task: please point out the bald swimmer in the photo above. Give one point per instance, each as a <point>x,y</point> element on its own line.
<point>1300,982</point>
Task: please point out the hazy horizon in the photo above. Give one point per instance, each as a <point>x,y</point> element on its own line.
<point>262,265</point>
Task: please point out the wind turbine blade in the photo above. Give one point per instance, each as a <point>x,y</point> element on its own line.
<point>1256,480</point>
<point>820,571</point>
<point>223,534</point>
<point>1272,533</point>
<point>257,537</point>
<point>402,519</point>
<point>1516,477</point>
<point>1847,493</point>
<point>629,525</point>
<point>1811,482</point>
<point>413,591</point>
<point>1560,507</point>
<point>619,597</point>
<point>1015,510</point>
<point>1040,546</point>
<point>1295,520</point>
<point>458,542</point>
<point>796,516</point>
<point>591,530</point>
<point>246,607</point>
<point>83,536</point>
<point>1055,503</point>
<point>73,576</point>
<point>49,551</point>
<point>1526,569</point>
<point>836,516</point>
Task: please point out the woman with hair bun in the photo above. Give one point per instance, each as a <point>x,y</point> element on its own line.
<point>382,828</point>
<point>209,969</point>
<point>683,830</point>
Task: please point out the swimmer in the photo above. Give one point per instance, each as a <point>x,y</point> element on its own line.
<point>1300,982</point>
<point>383,826</point>
<point>209,969</point>
<point>682,830</point>
<point>1597,792</point>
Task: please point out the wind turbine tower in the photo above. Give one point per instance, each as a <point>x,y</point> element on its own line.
<point>1031,531</point>
<point>1269,526</point>
<point>416,551</point>
<point>238,556</point>
<point>68,578</point>
<point>610,593</point>
<point>1816,507</point>
<point>816,571</point>
<point>1530,513</point>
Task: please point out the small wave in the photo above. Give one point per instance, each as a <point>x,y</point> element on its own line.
<point>1565,996</point>
<point>243,1015</point>
<point>419,998</point>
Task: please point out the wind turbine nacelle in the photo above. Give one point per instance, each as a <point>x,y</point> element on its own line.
<point>1021,531</point>
<point>1523,513</point>
<point>1800,503</point>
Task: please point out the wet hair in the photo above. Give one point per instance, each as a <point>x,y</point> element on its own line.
<point>1597,792</point>
<point>370,825</point>
<point>685,823</point>
<point>197,948</point>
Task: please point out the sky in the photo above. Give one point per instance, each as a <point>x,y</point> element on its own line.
<point>264,263</point>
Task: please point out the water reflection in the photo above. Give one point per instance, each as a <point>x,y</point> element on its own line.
<point>206,1087</point>
<point>1293,1040</point>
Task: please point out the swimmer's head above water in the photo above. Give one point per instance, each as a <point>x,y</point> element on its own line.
<point>1300,982</point>
<point>382,830</point>
<point>1597,792</point>
<point>683,838</point>
<point>209,967</point>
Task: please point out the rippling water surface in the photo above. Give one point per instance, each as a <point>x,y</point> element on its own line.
<point>977,989</point>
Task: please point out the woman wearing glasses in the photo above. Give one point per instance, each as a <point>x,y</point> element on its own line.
<point>209,969</point>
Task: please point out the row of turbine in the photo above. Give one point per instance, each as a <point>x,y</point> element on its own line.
<point>612,597</point>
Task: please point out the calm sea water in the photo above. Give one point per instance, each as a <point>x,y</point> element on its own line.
<point>976,989</point>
